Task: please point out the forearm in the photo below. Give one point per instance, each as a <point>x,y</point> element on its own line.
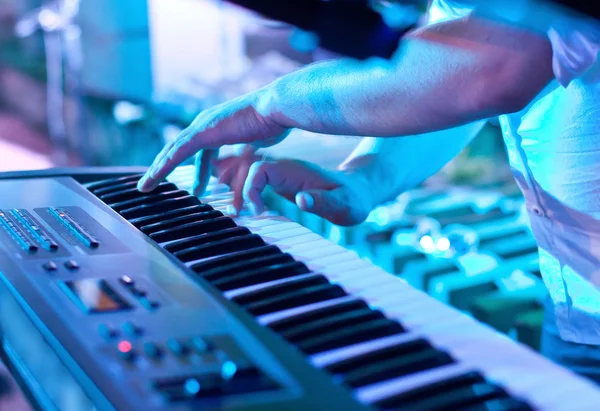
<point>443,76</point>
<point>390,166</point>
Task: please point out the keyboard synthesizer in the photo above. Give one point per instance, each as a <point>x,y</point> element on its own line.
<point>111,299</point>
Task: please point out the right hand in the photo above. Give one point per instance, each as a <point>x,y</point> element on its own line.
<point>243,120</point>
<point>338,196</point>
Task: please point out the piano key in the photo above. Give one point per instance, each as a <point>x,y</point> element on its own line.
<point>459,392</point>
<point>469,346</point>
<point>205,238</point>
<point>330,323</point>
<point>157,218</point>
<point>431,390</point>
<point>351,335</point>
<point>193,229</point>
<point>93,187</point>
<point>112,195</point>
<point>393,367</point>
<point>221,247</point>
<point>157,208</point>
<point>234,257</point>
<point>295,298</point>
<point>304,281</point>
<point>261,275</point>
<point>178,221</point>
<point>229,270</point>
<point>320,310</point>
<point>147,199</point>
<point>460,398</point>
<point>501,404</point>
<point>385,352</point>
<point>115,188</point>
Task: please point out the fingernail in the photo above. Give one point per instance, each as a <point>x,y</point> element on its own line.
<point>305,198</point>
<point>141,183</point>
<point>231,210</point>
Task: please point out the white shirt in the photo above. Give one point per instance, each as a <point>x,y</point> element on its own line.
<point>554,151</point>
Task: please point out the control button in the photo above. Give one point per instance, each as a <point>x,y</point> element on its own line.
<point>188,387</point>
<point>50,266</point>
<point>72,265</point>
<point>107,332</point>
<point>176,347</point>
<point>149,305</point>
<point>138,292</point>
<point>131,329</point>
<point>152,351</point>
<point>125,350</point>
<point>228,370</point>
<point>200,345</point>
<point>126,281</point>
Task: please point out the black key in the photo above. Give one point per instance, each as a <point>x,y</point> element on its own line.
<point>458,399</point>
<point>147,199</point>
<point>179,221</point>
<point>239,267</point>
<point>351,335</point>
<point>439,388</point>
<point>131,193</point>
<point>397,367</point>
<point>261,275</point>
<point>314,315</point>
<point>157,208</point>
<point>113,182</point>
<point>229,245</point>
<point>500,404</point>
<point>192,229</point>
<point>206,238</point>
<point>279,289</point>
<point>115,188</point>
<point>296,299</point>
<point>207,265</point>
<point>329,324</point>
<point>157,218</point>
<point>381,355</point>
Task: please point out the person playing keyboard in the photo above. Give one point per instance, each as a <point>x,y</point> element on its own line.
<point>540,74</point>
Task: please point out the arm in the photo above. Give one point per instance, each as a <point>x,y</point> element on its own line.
<point>392,166</point>
<point>376,172</point>
<point>445,75</point>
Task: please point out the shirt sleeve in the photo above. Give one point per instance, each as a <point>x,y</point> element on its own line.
<point>575,47</point>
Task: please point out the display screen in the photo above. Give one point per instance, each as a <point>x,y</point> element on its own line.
<point>96,296</point>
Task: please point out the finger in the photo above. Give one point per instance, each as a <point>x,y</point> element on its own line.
<point>179,151</point>
<point>260,174</point>
<point>237,186</point>
<point>226,175</point>
<point>203,164</point>
<point>330,204</point>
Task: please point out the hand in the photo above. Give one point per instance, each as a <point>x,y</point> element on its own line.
<point>243,120</point>
<point>340,197</point>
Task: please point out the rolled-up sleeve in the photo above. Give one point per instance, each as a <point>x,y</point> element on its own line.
<point>575,47</point>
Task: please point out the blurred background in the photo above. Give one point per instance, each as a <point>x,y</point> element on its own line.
<point>108,82</point>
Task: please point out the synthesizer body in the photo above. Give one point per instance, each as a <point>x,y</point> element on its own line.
<point>115,300</point>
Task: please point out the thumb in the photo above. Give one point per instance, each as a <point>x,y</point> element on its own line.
<point>332,205</point>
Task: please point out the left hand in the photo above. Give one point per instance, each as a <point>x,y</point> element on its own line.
<point>341,197</point>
